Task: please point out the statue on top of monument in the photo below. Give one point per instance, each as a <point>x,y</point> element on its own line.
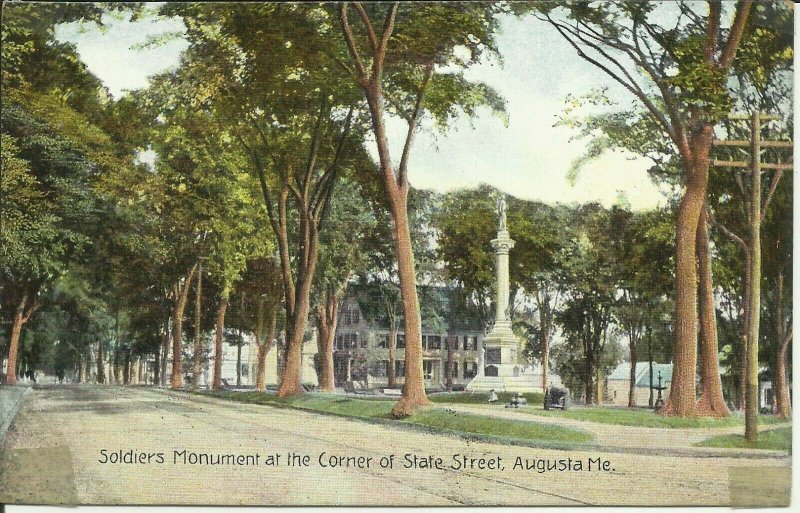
<point>501,212</point>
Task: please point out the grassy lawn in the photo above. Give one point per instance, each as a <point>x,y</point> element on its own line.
<point>433,419</point>
<point>641,417</point>
<point>481,398</point>
<point>779,439</point>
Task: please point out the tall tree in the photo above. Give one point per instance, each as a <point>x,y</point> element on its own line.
<point>681,69</point>
<point>394,53</point>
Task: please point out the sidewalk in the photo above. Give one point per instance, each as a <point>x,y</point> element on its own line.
<point>11,399</point>
<point>635,439</point>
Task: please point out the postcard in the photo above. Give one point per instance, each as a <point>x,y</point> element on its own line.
<point>397,254</point>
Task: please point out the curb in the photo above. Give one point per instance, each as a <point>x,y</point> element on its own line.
<point>13,414</point>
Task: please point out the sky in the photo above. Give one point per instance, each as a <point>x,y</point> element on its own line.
<point>528,158</point>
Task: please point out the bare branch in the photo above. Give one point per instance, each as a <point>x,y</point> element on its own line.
<point>324,188</point>
<point>712,32</point>
<point>351,45</point>
<point>737,29</point>
<point>388,28</point>
<point>633,88</point>
<point>776,178</point>
<point>373,39</point>
<point>412,125</point>
<point>725,231</point>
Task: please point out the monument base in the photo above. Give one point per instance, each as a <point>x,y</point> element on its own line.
<point>524,383</point>
<point>499,371</point>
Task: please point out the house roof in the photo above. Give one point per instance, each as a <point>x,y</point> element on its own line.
<point>666,375</point>
<point>441,308</point>
<point>623,373</point>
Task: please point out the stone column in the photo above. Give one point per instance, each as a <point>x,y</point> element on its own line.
<point>502,245</point>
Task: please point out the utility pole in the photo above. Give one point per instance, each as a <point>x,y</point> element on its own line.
<point>751,244</point>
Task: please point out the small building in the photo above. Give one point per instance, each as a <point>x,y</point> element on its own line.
<point>619,383</point>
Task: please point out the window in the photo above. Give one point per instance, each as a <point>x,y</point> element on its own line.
<point>401,341</point>
<point>356,316</point>
<point>470,369</point>
<point>431,342</point>
<point>347,317</point>
<point>383,341</point>
<point>399,368</point>
<point>474,343</point>
<point>466,343</point>
<point>353,340</point>
<point>470,343</point>
<point>244,370</point>
<point>492,356</point>
<point>427,369</point>
<point>363,342</point>
<point>381,369</point>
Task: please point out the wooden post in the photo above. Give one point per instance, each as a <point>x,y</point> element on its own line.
<point>752,247</point>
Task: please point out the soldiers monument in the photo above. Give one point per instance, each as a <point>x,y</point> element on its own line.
<point>498,367</point>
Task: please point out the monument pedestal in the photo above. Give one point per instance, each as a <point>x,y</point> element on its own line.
<point>499,370</point>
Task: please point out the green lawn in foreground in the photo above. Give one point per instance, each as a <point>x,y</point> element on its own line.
<point>641,417</point>
<point>442,420</point>
<point>779,439</point>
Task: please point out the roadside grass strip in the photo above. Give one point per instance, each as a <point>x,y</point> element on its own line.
<point>779,439</point>
<point>434,420</point>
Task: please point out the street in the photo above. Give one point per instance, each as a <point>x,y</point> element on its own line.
<point>136,445</point>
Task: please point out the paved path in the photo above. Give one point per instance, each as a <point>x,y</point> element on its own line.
<point>645,439</point>
<point>52,453</point>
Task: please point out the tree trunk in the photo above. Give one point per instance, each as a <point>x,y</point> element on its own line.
<point>782,397</point>
<point>116,365</point>
<point>589,377</point>
<point>450,362</point>
<point>293,355</point>
<point>390,376</point>
<point>197,367</point>
<point>239,360</point>
<point>634,361</point>
<point>126,374</point>
<point>651,400</point>
<point>157,366</point>
<point>298,301</point>
<point>683,391</point>
<point>13,345</point>
<point>712,401</point>
<point>414,385</point>
<point>162,376</point>
<point>101,371</point>
<point>140,371</point>
<point>263,349</point>
<point>177,331</point>
<point>545,360</point>
<point>327,313</point>
<point>218,339</point>
<point>82,369</point>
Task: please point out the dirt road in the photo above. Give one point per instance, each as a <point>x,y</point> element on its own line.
<point>66,442</point>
